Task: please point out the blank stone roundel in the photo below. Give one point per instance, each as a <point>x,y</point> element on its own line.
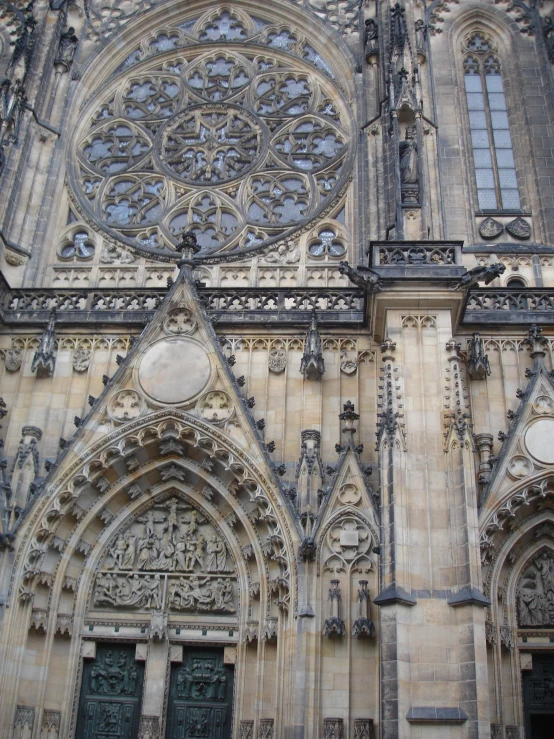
<point>174,371</point>
<point>539,439</point>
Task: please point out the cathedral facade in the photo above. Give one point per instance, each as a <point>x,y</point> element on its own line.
<point>276,367</point>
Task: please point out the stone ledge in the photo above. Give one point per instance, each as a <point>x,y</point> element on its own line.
<point>435,715</point>
<point>468,596</point>
<point>394,595</point>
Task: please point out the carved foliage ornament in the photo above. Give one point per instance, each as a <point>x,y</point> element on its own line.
<point>170,554</point>
<point>347,546</point>
<point>180,321</point>
<point>125,406</point>
<point>215,407</point>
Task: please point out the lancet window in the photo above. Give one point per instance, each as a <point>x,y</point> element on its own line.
<point>493,155</point>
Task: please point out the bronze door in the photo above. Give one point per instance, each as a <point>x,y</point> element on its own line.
<point>538,690</point>
<point>200,696</point>
<point>111,694</point>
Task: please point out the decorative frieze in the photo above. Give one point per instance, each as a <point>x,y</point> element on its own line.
<point>363,728</point>
<point>149,727</point>
<point>265,729</point>
<point>24,722</point>
<point>333,728</point>
<point>50,727</point>
<point>246,730</point>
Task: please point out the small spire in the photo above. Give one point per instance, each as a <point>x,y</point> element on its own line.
<point>312,365</point>
<point>44,361</point>
<point>536,342</point>
<point>188,247</point>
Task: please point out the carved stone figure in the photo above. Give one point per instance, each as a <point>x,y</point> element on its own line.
<point>217,555</point>
<point>66,49</point>
<point>277,360</point>
<point>44,361</point>
<point>312,364</point>
<point>112,254</point>
<point>135,591</point>
<point>409,173</point>
<point>13,359</point>
<point>371,35</point>
<point>285,253</point>
<point>478,366</point>
<point>348,365</point>
<point>362,277</point>
<point>474,276</point>
<point>163,539</point>
<point>535,593</point>
<point>192,594</point>
<point>81,360</point>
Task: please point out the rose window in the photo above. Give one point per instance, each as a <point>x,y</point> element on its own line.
<point>210,144</point>
<point>241,148</point>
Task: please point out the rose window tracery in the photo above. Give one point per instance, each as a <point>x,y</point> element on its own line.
<point>241,148</point>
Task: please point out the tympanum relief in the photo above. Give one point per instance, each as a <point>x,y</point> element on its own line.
<point>535,592</point>
<point>172,557</point>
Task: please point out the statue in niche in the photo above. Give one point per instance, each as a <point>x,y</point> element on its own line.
<point>66,49</point>
<point>535,593</point>
<point>371,37</point>
<point>478,366</point>
<point>409,174</point>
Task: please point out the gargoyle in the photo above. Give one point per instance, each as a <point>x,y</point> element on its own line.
<point>363,277</point>
<point>480,274</point>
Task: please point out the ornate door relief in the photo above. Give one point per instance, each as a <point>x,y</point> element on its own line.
<point>200,696</point>
<point>111,694</point>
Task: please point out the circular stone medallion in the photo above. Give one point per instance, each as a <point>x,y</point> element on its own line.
<point>539,439</point>
<point>174,371</point>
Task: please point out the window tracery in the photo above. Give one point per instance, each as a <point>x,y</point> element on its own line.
<point>273,138</point>
<point>493,157</point>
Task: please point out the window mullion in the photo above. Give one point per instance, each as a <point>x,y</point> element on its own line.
<point>491,140</point>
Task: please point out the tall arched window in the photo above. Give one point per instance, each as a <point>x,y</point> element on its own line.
<point>493,155</point>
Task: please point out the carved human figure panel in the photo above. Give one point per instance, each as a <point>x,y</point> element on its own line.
<point>535,592</point>
<point>170,554</point>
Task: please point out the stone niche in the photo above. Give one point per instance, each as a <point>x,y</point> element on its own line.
<point>170,557</point>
